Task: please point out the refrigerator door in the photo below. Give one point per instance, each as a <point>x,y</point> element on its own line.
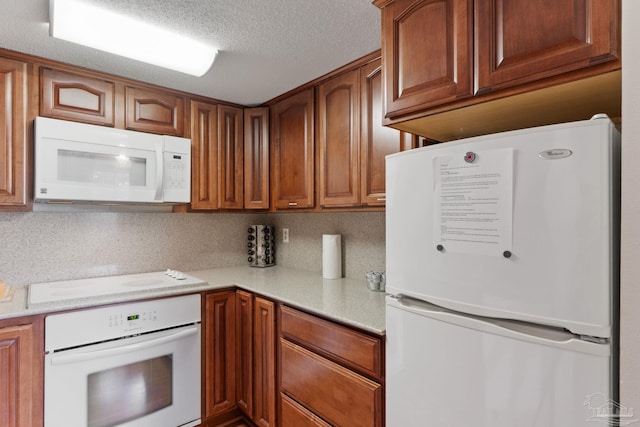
<point>546,254</point>
<point>448,370</point>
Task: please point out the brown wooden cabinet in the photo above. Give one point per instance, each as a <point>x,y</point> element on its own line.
<point>256,158</point>
<point>329,373</point>
<point>153,111</point>
<point>21,370</point>
<point>338,134</point>
<point>352,143</point>
<point>230,157</point>
<point>256,332</point>
<point>219,361</point>
<point>427,50</point>
<point>204,155</point>
<point>444,60</point>
<point>296,415</point>
<point>376,141</point>
<point>70,96</point>
<point>14,152</point>
<point>216,156</point>
<point>521,41</point>
<point>292,127</point>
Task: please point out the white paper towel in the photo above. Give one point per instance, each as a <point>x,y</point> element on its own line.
<point>331,256</point>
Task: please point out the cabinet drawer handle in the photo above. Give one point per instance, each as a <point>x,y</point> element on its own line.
<point>382,199</point>
<point>293,204</point>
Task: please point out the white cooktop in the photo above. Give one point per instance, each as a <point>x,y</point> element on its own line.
<point>50,292</point>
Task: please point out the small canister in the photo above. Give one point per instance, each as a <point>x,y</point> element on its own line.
<point>376,281</point>
<point>261,246</point>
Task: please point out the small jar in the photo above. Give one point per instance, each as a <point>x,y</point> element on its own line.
<point>376,281</point>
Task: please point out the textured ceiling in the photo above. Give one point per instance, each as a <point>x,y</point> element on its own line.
<point>266,47</point>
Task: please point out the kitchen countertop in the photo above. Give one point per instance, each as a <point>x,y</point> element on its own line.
<point>346,300</point>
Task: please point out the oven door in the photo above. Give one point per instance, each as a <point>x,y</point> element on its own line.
<point>146,380</point>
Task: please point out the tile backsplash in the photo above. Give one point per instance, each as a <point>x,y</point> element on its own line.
<point>46,246</point>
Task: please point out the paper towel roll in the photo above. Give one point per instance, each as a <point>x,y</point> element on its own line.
<point>331,256</point>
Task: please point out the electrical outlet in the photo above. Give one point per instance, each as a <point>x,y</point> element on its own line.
<point>285,235</point>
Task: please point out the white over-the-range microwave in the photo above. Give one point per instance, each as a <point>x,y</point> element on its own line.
<point>87,163</point>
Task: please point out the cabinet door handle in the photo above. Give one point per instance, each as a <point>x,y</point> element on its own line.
<point>293,204</point>
<point>382,199</point>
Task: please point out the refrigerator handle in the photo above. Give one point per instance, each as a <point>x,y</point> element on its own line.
<point>522,331</point>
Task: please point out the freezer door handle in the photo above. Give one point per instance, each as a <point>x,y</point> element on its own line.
<point>537,334</point>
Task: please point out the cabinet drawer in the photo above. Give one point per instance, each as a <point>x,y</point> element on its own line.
<point>295,415</point>
<point>351,348</point>
<point>336,394</point>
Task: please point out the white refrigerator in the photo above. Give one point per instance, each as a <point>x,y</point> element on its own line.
<point>503,275</point>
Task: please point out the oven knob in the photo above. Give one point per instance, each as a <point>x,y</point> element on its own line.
<point>251,252</point>
<point>249,245</point>
<point>252,238</point>
<point>251,230</point>
<point>250,259</point>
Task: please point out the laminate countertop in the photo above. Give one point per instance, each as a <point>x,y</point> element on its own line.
<point>345,300</point>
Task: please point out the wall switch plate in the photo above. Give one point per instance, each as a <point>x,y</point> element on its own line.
<point>285,235</point>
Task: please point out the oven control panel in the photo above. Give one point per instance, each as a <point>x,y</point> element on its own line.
<point>93,325</point>
<point>132,319</point>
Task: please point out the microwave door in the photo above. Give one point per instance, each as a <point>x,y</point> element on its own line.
<point>71,170</point>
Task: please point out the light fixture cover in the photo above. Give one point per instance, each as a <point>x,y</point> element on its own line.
<point>88,25</point>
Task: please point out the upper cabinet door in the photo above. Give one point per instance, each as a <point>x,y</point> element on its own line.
<point>230,157</point>
<point>71,96</point>
<point>13,133</point>
<point>293,157</point>
<point>154,111</point>
<point>256,158</point>
<point>338,140</point>
<point>427,51</point>
<point>204,155</point>
<point>519,41</point>
<point>376,141</point>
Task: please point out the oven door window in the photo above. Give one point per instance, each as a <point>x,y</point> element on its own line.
<point>127,392</point>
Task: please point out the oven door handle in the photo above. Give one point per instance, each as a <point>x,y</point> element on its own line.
<point>62,359</point>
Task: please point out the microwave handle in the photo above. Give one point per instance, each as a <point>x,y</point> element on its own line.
<point>159,172</point>
<point>63,359</point>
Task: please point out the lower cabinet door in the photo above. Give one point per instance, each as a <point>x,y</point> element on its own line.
<point>333,392</point>
<point>295,415</point>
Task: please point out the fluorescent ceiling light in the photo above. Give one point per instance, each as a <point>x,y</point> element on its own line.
<point>88,25</point>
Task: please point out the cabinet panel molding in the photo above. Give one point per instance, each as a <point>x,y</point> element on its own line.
<point>220,353</point>
<point>335,393</point>
<point>427,53</point>
<point>154,111</point>
<point>265,363</point>
<point>71,96</point>
<point>296,415</point>
<point>256,158</point>
<point>519,41</point>
<point>244,351</point>
<point>376,141</point>
<point>292,127</point>
<point>14,153</point>
<point>21,370</point>
<point>204,155</point>
<point>230,157</point>
<point>338,140</point>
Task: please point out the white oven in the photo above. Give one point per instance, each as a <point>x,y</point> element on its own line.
<point>133,365</point>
